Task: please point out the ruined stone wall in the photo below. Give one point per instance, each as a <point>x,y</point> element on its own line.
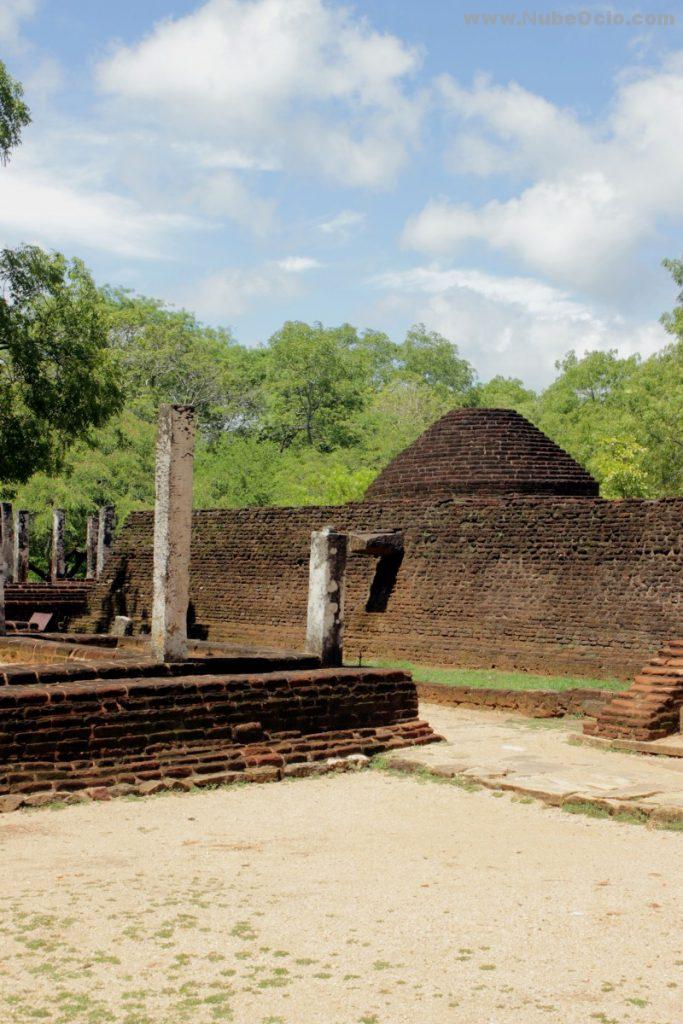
<point>105,737</point>
<point>547,584</point>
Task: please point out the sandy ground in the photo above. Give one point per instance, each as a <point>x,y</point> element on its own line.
<point>351,899</point>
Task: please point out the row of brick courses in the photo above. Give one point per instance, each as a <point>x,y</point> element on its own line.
<point>79,736</point>
<point>481,451</point>
<point>543,584</point>
<point>530,703</point>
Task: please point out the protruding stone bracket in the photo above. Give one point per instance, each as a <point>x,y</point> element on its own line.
<point>375,545</point>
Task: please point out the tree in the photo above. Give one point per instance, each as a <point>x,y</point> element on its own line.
<point>314,382</point>
<point>57,376</point>
<point>166,355</point>
<point>14,114</point>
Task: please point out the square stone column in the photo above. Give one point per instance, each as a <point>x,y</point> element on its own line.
<point>7,533</point>
<point>326,584</point>
<point>57,559</point>
<point>172,531</point>
<point>105,536</point>
<point>21,545</point>
<point>91,537</point>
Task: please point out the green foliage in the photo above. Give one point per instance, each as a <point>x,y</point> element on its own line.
<point>311,416</point>
<point>57,376</point>
<point>14,114</point>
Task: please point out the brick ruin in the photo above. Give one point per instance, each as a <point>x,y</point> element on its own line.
<point>95,716</point>
<point>510,560</point>
<point>481,545</point>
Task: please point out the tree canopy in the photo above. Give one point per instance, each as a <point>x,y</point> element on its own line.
<point>14,114</point>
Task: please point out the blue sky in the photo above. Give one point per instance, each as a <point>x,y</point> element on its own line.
<point>513,187</point>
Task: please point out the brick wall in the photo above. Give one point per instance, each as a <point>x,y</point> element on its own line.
<point>549,584</point>
<point>139,735</point>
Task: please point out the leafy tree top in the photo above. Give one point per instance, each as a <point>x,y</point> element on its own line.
<point>14,114</point>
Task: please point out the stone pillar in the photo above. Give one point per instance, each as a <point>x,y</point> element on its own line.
<point>91,539</point>
<point>7,533</point>
<point>172,531</point>
<point>3,629</point>
<point>325,621</point>
<point>57,561</point>
<point>21,545</point>
<point>105,536</point>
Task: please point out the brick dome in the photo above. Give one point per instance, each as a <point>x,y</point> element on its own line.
<point>481,451</point>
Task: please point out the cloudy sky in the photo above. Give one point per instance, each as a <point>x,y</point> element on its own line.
<point>513,186</point>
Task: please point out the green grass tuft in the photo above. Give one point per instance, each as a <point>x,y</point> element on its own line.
<point>494,679</point>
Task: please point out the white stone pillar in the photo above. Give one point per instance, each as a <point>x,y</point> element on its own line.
<point>325,620</point>
<point>172,531</point>
<point>57,560</point>
<point>105,536</point>
<point>3,628</point>
<point>7,533</point>
<point>21,545</point>
<point>91,544</point>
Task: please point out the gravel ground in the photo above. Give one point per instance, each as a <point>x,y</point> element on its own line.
<point>351,899</point>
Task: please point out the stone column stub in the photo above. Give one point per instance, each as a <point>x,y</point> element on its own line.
<point>57,557</point>
<point>105,536</point>
<point>326,586</point>
<point>7,534</point>
<point>172,531</point>
<point>22,526</point>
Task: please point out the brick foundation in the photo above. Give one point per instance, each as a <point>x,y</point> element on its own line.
<point>66,739</point>
<point>532,703</point>
<point>651,708</point>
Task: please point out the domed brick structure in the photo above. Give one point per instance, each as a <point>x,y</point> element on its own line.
<point>481,452</point>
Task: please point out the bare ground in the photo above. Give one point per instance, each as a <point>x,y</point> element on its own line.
<point>349,899</point>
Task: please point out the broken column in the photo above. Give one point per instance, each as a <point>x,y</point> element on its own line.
<point>325,620</point>
<point>7,533</point>
<point>21,545</point>
<point>172,531</point>
<point>105,536</point>
<point>91,537</point>
<point>58,559</point>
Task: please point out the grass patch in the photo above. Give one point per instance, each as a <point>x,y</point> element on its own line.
<point>494,679</point>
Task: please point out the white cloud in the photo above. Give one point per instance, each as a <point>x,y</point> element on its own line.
<point>515,326</point>
<point>307,82</point>
<point>593,192</point>
<point>12,13</point>
<point>225,195</point>
<point>343,223</point>
<point>298,264</point>
<point>233,291</point>
<point>43,210</point>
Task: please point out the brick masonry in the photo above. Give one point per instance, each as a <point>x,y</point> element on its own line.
<point>62,738</point>
<point>481,451</point>
<point>531,703</point>
<point>546,584</point>
<point>651,708</point>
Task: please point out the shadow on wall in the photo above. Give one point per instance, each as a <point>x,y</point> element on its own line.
<point>383,581</point>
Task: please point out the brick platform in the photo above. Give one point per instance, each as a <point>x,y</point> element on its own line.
<point>651,708</point>
<point>66,739</point>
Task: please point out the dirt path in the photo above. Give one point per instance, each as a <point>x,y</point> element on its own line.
<point>354,899</point>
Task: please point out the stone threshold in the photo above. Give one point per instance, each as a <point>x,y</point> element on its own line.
<point>668,746</point>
